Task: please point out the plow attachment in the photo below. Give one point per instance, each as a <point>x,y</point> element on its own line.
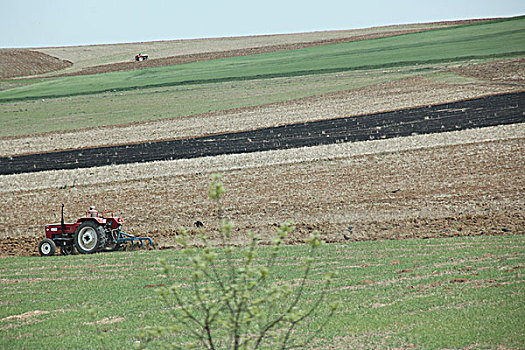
<point>135,241</point>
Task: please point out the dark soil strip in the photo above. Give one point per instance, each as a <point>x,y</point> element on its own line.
<point>467,114</point>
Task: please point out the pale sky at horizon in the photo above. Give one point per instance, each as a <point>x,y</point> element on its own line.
<point>40,23</point>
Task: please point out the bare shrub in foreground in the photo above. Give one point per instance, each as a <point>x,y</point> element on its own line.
<point>233,304</point>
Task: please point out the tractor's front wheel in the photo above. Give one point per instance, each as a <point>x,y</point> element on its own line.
<point>47,247</point>
<point>90,238</point>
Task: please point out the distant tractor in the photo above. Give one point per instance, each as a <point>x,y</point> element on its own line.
<point>90,234</point>
<point>141,57</point>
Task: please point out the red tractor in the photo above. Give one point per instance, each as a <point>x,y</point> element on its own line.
<point>92,233</point>
<point>141,57</point>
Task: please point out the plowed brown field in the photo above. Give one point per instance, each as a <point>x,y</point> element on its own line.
<point>386,189</point>
<point>21,63</point>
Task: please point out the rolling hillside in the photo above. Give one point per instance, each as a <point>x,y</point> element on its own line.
<point>497,39</point>
<point>214,86</point>
<point>410,136</point>
<point>326,186</point>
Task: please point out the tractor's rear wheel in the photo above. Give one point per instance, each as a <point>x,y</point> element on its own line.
<point>47,247</point>
<point>90,237</point>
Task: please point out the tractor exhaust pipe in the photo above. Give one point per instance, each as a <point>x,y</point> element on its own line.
<point>62,225</point>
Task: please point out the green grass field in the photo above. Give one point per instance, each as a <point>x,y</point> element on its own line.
<point>121,97</point>
<point>114,108</point>
<point>464,292</point>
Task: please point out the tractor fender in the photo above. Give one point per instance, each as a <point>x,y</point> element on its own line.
<point>98,220</point>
